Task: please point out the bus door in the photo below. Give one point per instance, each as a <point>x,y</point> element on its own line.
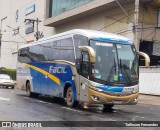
<point>84,77</point>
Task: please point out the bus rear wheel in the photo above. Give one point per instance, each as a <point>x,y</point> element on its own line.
<point>108,106</point>
<point>69,98</point>
<point>28,89</point>
<point>29,93</point>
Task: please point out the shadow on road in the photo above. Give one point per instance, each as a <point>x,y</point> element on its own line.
<point>59,101</point>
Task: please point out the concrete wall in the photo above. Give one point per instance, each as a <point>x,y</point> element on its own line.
<point>148,20</point>
<point>149,80</point>
<point>115,21</point>
<point>11,43</point>
<point>102,21</point>
<point>94,22</point>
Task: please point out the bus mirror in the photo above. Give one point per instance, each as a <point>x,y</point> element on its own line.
<point>147,58</point>
<point>91,52</point>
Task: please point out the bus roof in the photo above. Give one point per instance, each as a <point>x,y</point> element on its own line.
<point>91,34</point>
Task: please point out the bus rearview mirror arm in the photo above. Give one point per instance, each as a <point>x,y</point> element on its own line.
<point>91,52</point>
<point>147,58</point>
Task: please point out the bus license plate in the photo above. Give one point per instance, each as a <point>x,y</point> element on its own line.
<point>117,102</point>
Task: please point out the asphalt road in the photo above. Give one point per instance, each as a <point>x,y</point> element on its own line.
<point>16,106</point>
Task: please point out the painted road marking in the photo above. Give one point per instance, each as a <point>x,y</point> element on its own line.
<point>26,97</point>
<point>139,117</point>
<point>38,100</point>
<point>4,99</point>
<point>44,102</point>
<point>71,109</point>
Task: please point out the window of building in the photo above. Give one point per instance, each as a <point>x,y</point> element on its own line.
<point>59,6</point>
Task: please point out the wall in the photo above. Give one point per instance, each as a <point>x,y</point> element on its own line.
<point>102,21</point>
<point>148,21</point>
<point>10,42</point>
<point>149,80</point>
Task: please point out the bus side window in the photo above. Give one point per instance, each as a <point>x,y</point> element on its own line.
<point>33,53</point>
<point>79,40</point>
<point>67,50</point>
<point>23,55</point>
<point>85,65</point>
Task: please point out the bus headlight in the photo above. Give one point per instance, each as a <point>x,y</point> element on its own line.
<point>95,98</point>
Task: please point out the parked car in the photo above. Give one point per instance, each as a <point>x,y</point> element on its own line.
<point>5,80</point>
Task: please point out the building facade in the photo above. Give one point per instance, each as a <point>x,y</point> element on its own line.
<point>138,20</point>
<point>20,22</point>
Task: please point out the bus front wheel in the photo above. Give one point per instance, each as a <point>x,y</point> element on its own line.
<point>69,98</point>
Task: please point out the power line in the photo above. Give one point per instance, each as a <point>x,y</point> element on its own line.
<point>113,23</point>
<point>18,32</point>
<point>149,34</point>
<point>125,12</point>
<point>12,41</point>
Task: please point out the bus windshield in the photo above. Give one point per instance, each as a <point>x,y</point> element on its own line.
<point>116,64</point>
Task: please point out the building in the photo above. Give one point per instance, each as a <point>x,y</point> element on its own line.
<point>135,19</point>
<point>19,27</point>
<point>138,20</point>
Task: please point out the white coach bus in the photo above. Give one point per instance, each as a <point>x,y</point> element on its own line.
<point>81,66</point>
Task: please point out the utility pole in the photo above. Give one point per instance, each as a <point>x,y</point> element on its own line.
<point>0,37</point>
<point>38,35</point>
<point>136,20</point>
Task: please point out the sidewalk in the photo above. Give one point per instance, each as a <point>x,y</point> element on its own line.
<point>149,99</point>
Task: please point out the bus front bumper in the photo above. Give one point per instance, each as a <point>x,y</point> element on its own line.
<point>96,97</point>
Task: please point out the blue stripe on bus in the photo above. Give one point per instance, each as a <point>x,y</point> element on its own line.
<point>45,85</point>
<point>114,40</point>
<point>110,89</point>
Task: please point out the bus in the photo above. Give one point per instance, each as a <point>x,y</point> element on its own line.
<point>81,65</point>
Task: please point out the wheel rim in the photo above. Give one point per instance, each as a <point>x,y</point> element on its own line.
<point>69,96</point>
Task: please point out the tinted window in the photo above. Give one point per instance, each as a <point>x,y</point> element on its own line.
<point>67,50</point>
<point>79,40</point>
<point>23,55</point>
<point>55,50</point>
<point>34,54</point>
<point>85,65</point>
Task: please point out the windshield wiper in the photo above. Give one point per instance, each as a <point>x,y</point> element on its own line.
<point>110,74</point>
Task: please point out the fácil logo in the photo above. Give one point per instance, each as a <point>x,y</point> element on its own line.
<point>57,70</point>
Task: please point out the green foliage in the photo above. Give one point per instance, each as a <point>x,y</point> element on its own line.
<point>10,72</point>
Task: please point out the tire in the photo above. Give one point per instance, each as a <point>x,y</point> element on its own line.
<point>13,87</point>
<point>28,89</point>
<point>69,98</point>
<point>29,93</point>
<point>108,106</point>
